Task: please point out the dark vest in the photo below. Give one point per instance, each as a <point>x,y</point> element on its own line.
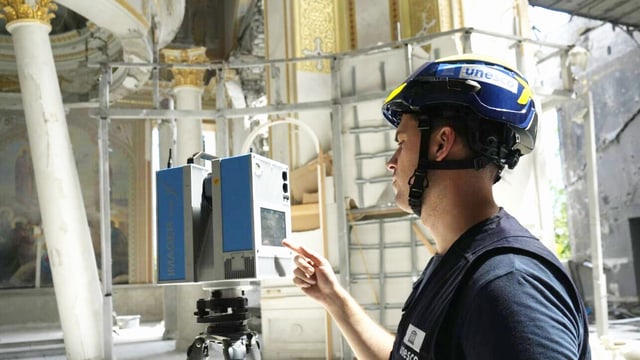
<point>499,235</point>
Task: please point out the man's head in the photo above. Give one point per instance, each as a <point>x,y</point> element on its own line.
<point>488,106</point>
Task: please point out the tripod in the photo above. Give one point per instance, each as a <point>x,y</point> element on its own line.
<point>226,314</point>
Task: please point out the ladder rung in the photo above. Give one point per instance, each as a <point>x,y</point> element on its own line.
<point>374,180</point>
<point>387,306</point>
<point>384,154</point>
<point>371,129</point>
<point>393,245</point>
<point>384,276</point>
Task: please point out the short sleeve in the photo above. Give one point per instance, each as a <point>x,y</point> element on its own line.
<point>516,309</point>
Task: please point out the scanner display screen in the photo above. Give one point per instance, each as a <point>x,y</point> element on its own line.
<point>273,227</point>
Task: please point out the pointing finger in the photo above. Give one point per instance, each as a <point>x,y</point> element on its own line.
<point>311,255</point>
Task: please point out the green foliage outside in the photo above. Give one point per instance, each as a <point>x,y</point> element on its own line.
<point>560,223</point>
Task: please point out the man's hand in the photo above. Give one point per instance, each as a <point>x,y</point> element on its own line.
<point>313,274</point>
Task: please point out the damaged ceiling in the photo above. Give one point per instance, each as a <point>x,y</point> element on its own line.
<point>618,12</point>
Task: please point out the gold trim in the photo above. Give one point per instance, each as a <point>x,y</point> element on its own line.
<point>185,56</point>
<point>183,76</point>
<point>352,25</point>
<point>340,25</point>
<point>315,33</point>
<point>130,9</point>
<point>344,25</point>
<point>394,18</point>
<point>188,77</point>
<point>13,10</point>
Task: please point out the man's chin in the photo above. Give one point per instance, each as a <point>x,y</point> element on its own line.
<point>407,210</point>
<point>404,206</point>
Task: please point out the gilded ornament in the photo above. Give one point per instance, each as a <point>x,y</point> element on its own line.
<point>317,34</point>
<point>185,76</point>
<point>42,10</point>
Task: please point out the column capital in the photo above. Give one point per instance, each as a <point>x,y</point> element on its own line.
<point>41,11</point>
<point>186,76</point>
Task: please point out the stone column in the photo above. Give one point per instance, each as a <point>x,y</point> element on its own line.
<point>64,220</point>
<point>167,136</point>
<point>188,85</point>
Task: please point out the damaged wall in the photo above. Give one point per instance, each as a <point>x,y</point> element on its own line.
<point>612,76</point>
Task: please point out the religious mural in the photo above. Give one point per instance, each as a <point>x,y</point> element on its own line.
<point>23,254</point>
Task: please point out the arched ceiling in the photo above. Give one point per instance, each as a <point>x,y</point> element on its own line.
<point>75,42</point>
<point>86,33</point>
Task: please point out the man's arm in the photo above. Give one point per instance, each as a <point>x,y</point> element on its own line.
<point>314,275</point>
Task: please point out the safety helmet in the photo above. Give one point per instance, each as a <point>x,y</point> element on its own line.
<point>490,89</point>
<point>480,91</point>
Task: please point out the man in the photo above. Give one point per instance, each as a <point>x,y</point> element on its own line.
<point>492,291</point>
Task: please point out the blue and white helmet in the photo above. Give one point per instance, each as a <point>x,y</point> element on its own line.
<point>493,91</point>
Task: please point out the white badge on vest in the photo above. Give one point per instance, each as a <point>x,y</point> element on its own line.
<point>414,337</point>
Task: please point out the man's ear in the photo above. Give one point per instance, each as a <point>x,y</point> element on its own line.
<point>443,141</point>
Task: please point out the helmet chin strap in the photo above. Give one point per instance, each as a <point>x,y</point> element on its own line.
<point>419,182</point>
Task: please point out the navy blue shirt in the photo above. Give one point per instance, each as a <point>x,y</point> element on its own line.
<point>509,305</point>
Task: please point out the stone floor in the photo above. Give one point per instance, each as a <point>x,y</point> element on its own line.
<point>44,342</point>
<point>145,342</point>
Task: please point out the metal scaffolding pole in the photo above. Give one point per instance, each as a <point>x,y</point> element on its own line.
<point>105,214</point>
<point>336,139</point>
<point>599,278</point>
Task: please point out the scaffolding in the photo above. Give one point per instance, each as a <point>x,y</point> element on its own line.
<point>339,102</point>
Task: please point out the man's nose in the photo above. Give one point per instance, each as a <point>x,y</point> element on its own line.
<point>392,163</point>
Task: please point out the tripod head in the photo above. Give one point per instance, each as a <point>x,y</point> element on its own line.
<point>227,316</point>
<point>226,312</point>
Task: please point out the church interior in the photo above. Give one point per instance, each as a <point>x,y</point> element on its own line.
<point>122,120</point>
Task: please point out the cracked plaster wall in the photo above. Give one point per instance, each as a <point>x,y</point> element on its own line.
<point>612,76</point>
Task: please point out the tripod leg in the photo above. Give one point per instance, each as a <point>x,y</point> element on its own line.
<point>253,352</point>
<point>226,344</point>
<point>197,350</point>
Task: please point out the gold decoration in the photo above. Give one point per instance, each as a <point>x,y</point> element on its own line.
<point>418,17</point>
<point>185,76</point>
<point>316,32</point>
<point>351,24</point>
<point>42,10</point>
<point>394,18</point>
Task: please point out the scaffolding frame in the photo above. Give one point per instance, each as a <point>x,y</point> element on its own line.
<point>335,105</point>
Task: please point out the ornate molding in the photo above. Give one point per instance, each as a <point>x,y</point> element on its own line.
<point>185,76</point>
<point>42,10</point>
<point>316,32</point>
<point>323,27</point>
